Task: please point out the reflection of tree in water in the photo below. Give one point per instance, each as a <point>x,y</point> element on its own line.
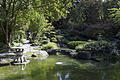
<point>103,76</point>
<point>61,78</point>
<point>110,73</point>
<point>113,73</point>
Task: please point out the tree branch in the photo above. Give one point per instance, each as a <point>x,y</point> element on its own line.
<point>9,6</point>
<point>13,8</point>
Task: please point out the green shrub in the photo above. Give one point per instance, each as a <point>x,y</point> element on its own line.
<point>118,35</point>
<point>59,37</point>
<point>3,47</point>
<point>97,47</point>
<point>44,38</point>
<point>65,41</point>
<point>31,41</point>
<point>44,41</point>
<point>16,44</point>
<point>73,44</point>
<point>53,39</point>
<point>49,46</point>
<point>79,47</point>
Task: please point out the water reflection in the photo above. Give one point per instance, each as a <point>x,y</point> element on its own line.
<point>48,70</point>
<point>103,76</point>
<point>23,67</point>
<point>61,78</point>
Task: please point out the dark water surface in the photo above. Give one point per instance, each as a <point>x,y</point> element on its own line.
<point>61,68</point>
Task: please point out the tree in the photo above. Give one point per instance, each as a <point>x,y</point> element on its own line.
<point>10,10</point>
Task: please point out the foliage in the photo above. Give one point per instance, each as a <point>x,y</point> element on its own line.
<point>115,13</point>
<point>104,46</point>
<point>59,37</point>
<point>18,36</point>
<point>3,47</point>
<point>35,15</point>
<point>65,41</point>
<point>53,10</point>
<point>38,25</point>
<point>73,44</point>
<point>118,35</point>
<point>53,39</point>
<point>106,29</point>
<point>44,42</point>
<point>49,45</point>
<point>79,47</point>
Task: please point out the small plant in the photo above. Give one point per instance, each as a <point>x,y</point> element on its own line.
<point>53,39</point>
<point>73,44</point>
<point>65,41</point>
<point>79,47</point>
<point>49,46</point>
<point>99,45</point>
<point>99,49</point>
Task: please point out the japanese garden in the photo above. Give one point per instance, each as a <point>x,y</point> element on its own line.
<point>59,40</point>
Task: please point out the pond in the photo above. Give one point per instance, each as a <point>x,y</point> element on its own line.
<point>61,68</point>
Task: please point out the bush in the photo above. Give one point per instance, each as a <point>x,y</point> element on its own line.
<point>99,45</point>
<point>73,44</point>
<point>59,37</point>
<point>49,46</point>
<point>65,41</point>
<point>44,41</point>
<point>102,47</point>
<point>3,47</point>
<point>53,39</point>
<point>44,38</point>
<point>79,47</point>
<point>16,44</point>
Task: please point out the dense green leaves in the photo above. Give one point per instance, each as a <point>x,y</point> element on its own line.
<point>32,15</point>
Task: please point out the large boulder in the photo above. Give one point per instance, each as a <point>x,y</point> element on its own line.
<point>44,53</point>
<point>41,54</point>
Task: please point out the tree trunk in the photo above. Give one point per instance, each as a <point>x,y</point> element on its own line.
<point>7,41</point>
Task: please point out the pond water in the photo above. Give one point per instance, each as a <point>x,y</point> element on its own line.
<point>61,68</point>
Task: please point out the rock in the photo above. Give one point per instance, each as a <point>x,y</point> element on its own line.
<point>41,55</point>
<point>44,53</point>
<point>62,51</point>
<point>84,55</point>
<point>53,51</point>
